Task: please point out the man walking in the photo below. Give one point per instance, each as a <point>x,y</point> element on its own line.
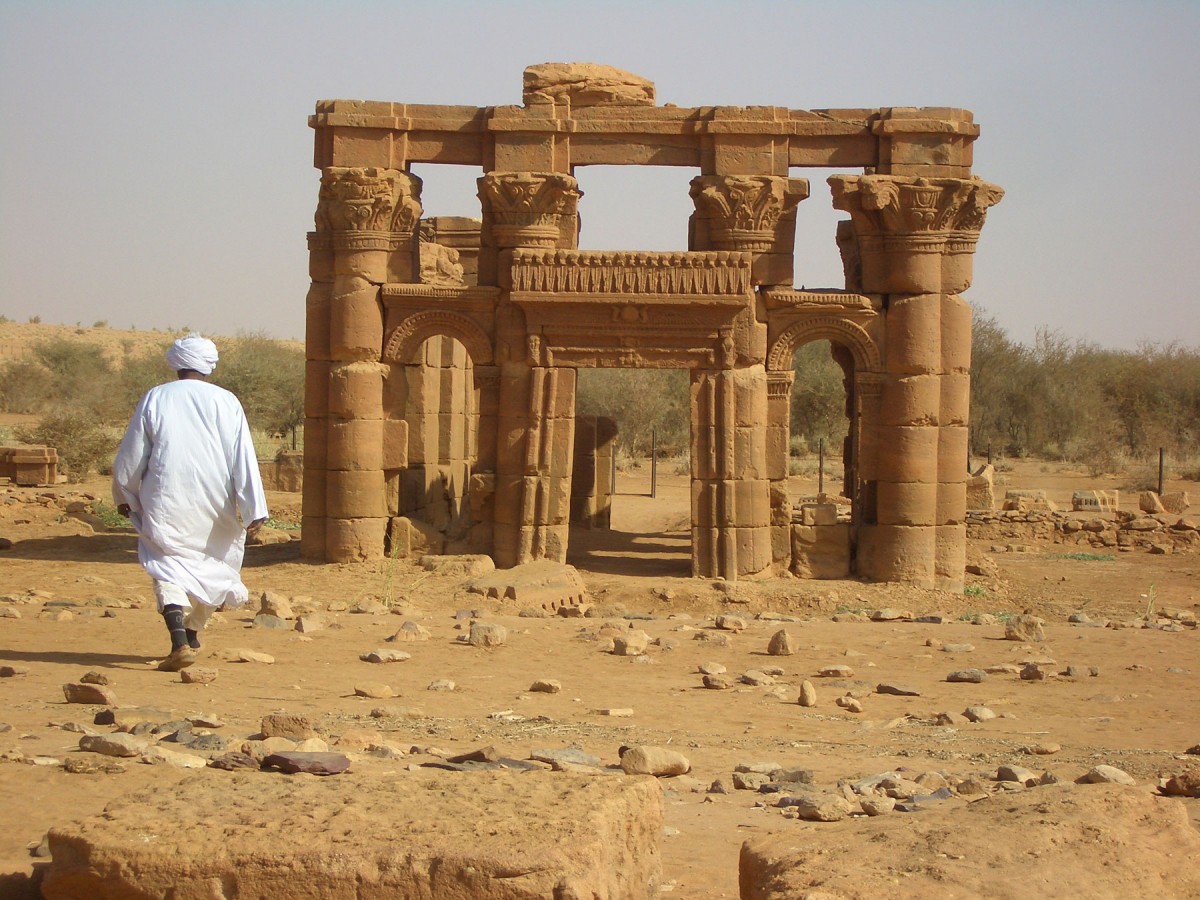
<point>187,476</point>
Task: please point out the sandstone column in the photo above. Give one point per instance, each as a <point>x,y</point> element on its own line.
<point>365,237</point>
<point>915,239</point>
<point>536,409</point>
<point>733,505</point>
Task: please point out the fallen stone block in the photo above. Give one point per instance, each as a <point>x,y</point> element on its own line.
<point>491,835</point>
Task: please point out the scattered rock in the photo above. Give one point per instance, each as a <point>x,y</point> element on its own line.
<point>716,682</point>
<point>292,727</point>
<point>819,806</point>
<point>276,605</point>
<point>94,678</point>
<point>890,615</point>
<point>781,644</point>
<point>251,656</point>
<point>234,760</point>
<point>877,805</point>
<point>375,691</point>
<point>116,744</point>
<point>565,755</point>
<point>978,713</point>
<point>657,761</point>
<point>158,755</point>
<point>13,671</point>
<point>1025,776</point>
<point>968,676</point>
<point>442,684</point>
<point>385,656</point>
<point>1024,628</point>
<point>1185,784</point>
<point>198,675</point>
<point>731,623</point>
<point>899,690</point>
<point>850,704</point>
<point>96,694</point>
<point>411,632</point>
<point>756,678</point>
<point>295,761</point>
<point>835,672</point>
<point>1106,775</point>
<point>712,668</point>
<point>808,694</point>
<point>631,643</point>
<point>264,621</point>
<point>487,634</point>
<point>309,624</point>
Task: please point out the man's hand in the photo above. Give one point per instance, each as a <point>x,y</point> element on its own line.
<point>253,527</point>
<point>123,509</point>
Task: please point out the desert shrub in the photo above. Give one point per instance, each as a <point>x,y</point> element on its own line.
<point>268,377</point>
<point>25,386</point>
<point>818,402</point>
<point>641,401</point>
<point>81,439</point>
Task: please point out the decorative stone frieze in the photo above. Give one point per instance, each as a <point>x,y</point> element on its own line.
<point>366,208</point>
<point>582,271</point>
<point>914,235</point>
<point>744,212</point>
<point>528,209</point>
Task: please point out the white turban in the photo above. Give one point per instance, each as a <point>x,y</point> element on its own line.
<point>193,352</point>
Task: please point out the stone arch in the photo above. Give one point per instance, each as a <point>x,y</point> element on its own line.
<point>851,335</point>
<point>416,329</point>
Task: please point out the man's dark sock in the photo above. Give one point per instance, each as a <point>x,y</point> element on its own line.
<point>173,616</point>
<point>193,638</point>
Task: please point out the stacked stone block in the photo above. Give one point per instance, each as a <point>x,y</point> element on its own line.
<point>29,465</point>
<point>592,471</point>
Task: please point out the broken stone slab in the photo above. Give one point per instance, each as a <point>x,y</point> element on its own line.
<point>385,656</point>
<point>585,84</point>
<point>242,654</point>
<point>967,676</point>
<point>410,632</point>
<point>157,755</point>
<point>568,755</point>
<point>198,675</point>
<point>96,694</point>
<point>545,686</point>
<point>657,761</point>
<point>543,583</point>
<point>116,744</point>
<point>1184,784</point>
<point>631,643</point>
<point>295,762</point>
<point>899,690</point>
<point>464,566</point>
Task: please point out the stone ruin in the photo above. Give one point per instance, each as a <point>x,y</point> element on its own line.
<point>29,465</point>
<point>442,352</point>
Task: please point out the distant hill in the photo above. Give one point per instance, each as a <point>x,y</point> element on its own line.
<point>17,339</point>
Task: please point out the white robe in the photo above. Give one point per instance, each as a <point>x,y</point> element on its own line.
<point>188,471</point>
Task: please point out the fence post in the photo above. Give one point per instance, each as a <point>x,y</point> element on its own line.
<point>821,466</point>
<point>653,464</point>
<point>1160,470</point>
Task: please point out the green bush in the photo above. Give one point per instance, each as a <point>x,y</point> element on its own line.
<point>81,440</point>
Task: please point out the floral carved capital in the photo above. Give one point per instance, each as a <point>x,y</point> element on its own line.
<point>897,205</point>
<point>359,200</point>
<point>745,210</point>
<point>529,209</point>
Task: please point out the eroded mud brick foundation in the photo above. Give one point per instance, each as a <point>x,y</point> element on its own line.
<point>442,352</point>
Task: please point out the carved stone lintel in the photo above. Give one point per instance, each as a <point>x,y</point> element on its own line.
<point>745,211</point>
<point>529,209</point>
<point>379,206</point>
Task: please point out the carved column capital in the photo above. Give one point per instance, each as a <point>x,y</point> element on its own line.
<point>530,209</point>
<point>366,208</point>
<point>744,212</point>
<point>898,220</point>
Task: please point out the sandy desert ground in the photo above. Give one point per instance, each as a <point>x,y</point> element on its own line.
<point>75,601</point>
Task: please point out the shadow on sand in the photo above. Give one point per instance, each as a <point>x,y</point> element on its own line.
<point>71,658</point>
<point>666,554</point>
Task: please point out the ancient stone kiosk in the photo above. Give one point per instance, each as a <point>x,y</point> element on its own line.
<point>442,352</point>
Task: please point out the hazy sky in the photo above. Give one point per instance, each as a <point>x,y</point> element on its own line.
<point>156,162</point>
